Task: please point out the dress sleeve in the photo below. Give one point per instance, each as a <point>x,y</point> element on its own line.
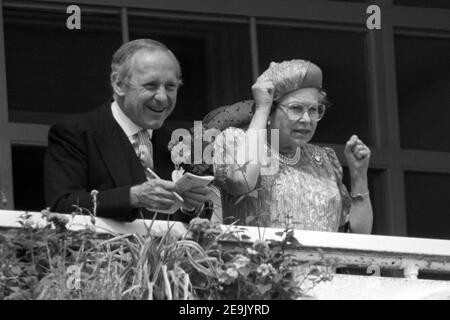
<point>234,206</point>
<point>344,224</point>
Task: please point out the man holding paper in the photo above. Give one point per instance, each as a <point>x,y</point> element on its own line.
<point>120,149</point>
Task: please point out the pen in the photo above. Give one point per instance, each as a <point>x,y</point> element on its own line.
<point>157,177</point>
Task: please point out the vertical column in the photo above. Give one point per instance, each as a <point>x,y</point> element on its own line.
<point>124,24</point>
<point>395,183</point>
<point>6,178</point>
<point>377,101</point>
<point>376,87</point>
<point>254,47</point>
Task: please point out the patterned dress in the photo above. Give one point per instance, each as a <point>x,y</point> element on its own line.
<point>307,195</point>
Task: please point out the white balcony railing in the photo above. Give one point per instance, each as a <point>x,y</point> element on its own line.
<point>371,252</point>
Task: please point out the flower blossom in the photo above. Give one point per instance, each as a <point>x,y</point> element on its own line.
<point>264,269</point>
<point>232,272</point>
<point>241,261</point>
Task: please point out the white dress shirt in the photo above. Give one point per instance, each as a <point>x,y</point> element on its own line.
<point>128,126</point>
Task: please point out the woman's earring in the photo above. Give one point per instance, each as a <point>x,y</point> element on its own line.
<point>268,122</point>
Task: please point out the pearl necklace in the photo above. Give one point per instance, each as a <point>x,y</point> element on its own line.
<point>289,161</point>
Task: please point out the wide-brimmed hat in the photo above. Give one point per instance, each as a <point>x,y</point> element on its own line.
<point>287,76</point>
<point>236,115</point>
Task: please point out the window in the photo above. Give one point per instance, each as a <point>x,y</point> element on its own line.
<point>423,82</point>
<point>214,57</point>
<point>341,57</point>
<point>428,204</point>
<point>28,177</point>
<point>53,71</point>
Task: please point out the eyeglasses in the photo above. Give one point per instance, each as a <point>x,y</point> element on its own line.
<point>296,110</point>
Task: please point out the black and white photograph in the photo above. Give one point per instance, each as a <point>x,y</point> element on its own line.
<point>225,154</point>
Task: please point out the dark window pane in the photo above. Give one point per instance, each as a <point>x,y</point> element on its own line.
<point>348,0</point>
<point>341,56</point>
<point>428,204</point>
<point>433,276</point>
<point>377,189</point>
<point>214,57</point>
<point>444,4</point>
<point>423,82</point>
<point>28,177</point>
<point>52,70</point>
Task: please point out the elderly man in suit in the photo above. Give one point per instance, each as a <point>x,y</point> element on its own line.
<point>111,148</point>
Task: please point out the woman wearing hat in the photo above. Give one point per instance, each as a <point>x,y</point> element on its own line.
<point>306,192</point>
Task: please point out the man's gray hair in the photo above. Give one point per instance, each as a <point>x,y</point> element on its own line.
<point>121,61</point>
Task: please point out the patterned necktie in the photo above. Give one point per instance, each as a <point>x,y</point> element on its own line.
<point>144,148</point>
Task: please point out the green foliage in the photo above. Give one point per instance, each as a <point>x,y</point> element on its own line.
<point>51,262</point>
<point>262,270</point>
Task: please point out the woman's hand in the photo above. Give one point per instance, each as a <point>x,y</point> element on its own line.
<point>263,90</point>
<point>357,155</point>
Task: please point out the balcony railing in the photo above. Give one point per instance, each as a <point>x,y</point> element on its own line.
<point>376,254</point>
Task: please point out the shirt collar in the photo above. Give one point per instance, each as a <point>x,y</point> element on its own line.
<point>128,126</point>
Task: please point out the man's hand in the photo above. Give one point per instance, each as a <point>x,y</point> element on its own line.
<point>263,90</point>
<point>357,155</point>
<point>154,194</point>
<point>195,198</point>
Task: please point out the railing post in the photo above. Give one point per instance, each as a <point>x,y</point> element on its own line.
<point>411,270</point>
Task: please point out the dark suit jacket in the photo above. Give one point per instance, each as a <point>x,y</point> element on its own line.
<point>91,151</point>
